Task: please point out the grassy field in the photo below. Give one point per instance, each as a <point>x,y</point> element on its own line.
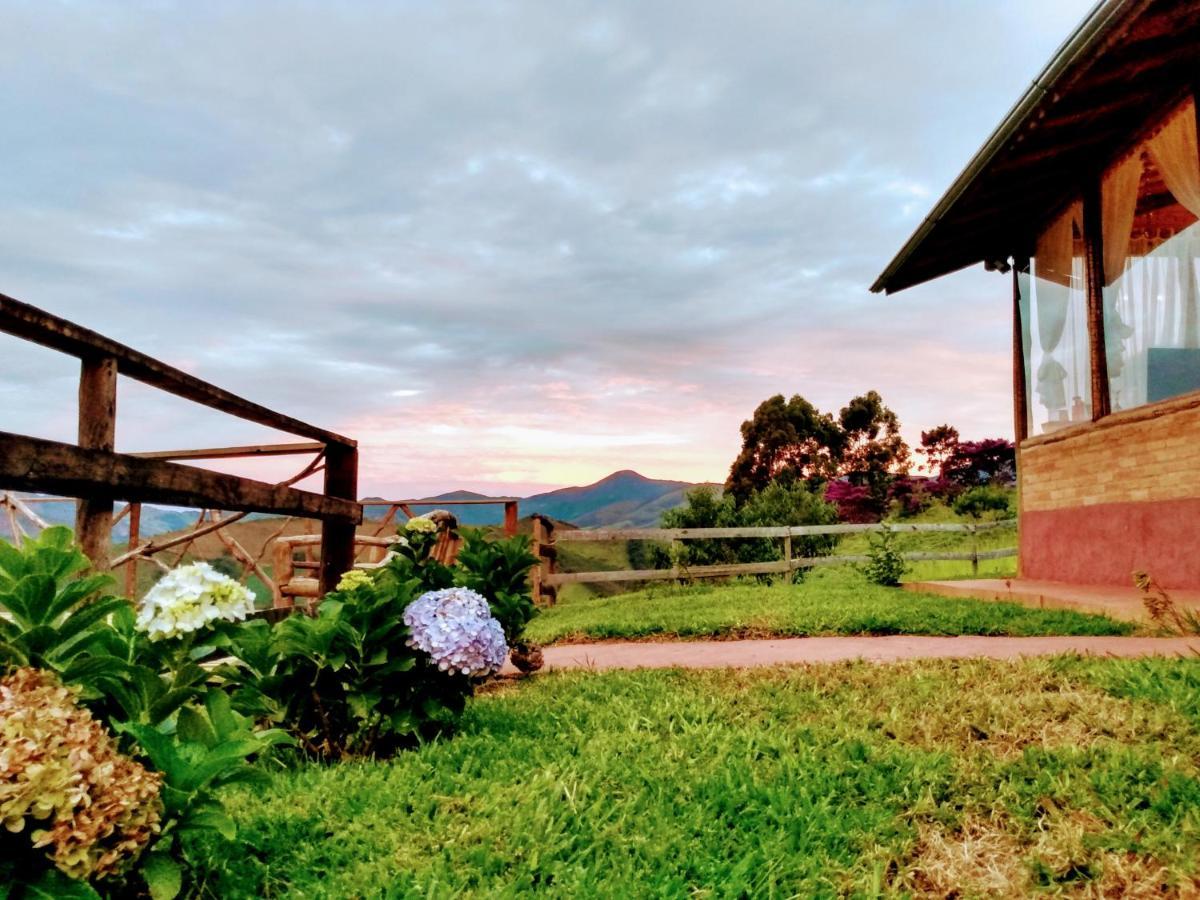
<point>1056,777</point>
<point>832,601</point>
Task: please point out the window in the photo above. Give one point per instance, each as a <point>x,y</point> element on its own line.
<point>1151,236</point>
<point>1054,314</point>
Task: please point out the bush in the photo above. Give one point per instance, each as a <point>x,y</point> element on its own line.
<point>164,735</point>
<point>985,500</point>
<point>776,504</point>
<point>885,565</point>
<point>151,694</point>
<point>368,691</point>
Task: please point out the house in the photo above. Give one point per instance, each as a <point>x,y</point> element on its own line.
<point>1087,198</point>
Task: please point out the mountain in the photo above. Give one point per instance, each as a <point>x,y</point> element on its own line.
<point>623,499</point>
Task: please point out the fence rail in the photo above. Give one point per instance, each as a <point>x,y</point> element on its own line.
<point>92,471</point>
<point>546,578</point>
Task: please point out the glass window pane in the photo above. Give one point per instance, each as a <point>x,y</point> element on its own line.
<point>1152,294</point>
<point>1058,372</point>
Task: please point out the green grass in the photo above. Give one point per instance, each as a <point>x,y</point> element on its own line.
<point>838,601</point>
<point>1055,777</point>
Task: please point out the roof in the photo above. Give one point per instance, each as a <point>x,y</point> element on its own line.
<point>1124,67</point>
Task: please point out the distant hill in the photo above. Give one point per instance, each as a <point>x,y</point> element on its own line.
<point>623,499</point>
<point>155,519</point>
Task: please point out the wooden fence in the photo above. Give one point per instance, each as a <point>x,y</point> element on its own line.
<point>546,540</point>
<point>92,471</point>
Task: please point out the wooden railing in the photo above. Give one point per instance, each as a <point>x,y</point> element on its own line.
<point>546,578</point>
<point>94,473</point>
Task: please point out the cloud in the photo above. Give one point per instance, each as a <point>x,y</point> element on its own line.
<point>614,225</point>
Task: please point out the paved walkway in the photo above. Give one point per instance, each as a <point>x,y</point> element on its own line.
<point>792,651</point>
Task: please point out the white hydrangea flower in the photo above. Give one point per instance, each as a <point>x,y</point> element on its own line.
<point>456,628</point>
<point>189,598</point>
<point>421,525</point>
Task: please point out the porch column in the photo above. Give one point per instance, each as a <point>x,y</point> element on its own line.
<point>1093,255</point>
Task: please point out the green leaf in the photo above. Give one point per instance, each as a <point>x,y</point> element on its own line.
<point>163,875</point>
<point>225,722</point>
<point>194,727</point>
<point>216,820</point>
<point>54,885</point>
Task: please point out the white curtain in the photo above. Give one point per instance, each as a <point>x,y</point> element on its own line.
<point>1055,270</point>
<point>1174,152</point>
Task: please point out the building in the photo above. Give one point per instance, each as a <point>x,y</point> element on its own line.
<point>1087,196</point>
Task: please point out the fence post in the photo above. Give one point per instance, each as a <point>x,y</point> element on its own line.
<point>787,549</point>
<point>337,538</point>
<point>131,567</point>
<point>974,551</point>
<point>510,518</point>
<point>97,431</point>
<point>546,552</point>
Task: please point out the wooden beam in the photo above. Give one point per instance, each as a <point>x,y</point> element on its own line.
<point>97,431</point>
<point>510,517</point>
<point>249,451</point>
<point>337,537</point>
<point>1020,388</point>
<point>41,327</point>
<point>1093,253</point>
<point>34,464</point>
<point>135,536</point>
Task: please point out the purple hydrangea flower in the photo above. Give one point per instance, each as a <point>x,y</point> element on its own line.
<point>456,628</point>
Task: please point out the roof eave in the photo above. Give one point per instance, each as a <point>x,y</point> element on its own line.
<point>1078,45</point>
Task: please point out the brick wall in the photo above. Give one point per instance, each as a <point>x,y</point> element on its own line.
<point>1101,500</point>
<point>1146,454</point>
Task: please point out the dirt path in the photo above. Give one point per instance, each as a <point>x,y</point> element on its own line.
<point>791,651</point>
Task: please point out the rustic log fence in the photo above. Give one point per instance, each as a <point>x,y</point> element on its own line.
<point>546,578</point>
<point>92,471</point>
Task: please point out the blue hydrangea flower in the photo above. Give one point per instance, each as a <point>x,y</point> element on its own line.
<point>456,628</point>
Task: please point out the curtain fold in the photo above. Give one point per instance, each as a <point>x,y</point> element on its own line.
<point>1054,267</point>
<point>1174,151</point>
<point>1118,203</point>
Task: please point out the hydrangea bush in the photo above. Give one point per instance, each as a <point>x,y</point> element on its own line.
<point>65,786</point>
<point>79,669</point>
<point>456,628</point>
<point>190,598</point>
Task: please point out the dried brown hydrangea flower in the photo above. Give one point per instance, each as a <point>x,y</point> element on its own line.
<point>63,781</point>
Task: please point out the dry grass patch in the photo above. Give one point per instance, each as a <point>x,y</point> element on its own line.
<point>984,857</point>
<point>1002,708</point>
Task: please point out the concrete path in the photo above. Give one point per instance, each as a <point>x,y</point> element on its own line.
<point>792,651</point>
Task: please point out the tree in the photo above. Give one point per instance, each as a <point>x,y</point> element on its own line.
<point>963,464</point>
<point>873,452</point>
<point>787,441</point>
<point>990,461</point>
<point>938,445</point>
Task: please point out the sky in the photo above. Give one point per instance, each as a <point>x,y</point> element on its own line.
<point>506,246</point>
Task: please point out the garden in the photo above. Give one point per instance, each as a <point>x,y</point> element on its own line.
<point>188,748</point>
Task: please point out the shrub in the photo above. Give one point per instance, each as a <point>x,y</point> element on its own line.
<point>885,565</point>
<point>978,502</point>
<point>152,694</point>
<point>376,669</point>
<point>65,787</point>
<point>777,504</point>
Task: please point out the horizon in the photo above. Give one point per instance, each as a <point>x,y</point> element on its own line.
<point>507,249</point>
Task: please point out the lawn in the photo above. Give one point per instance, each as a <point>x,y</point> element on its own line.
<point>1066,776</point>
<point>832,601</point>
